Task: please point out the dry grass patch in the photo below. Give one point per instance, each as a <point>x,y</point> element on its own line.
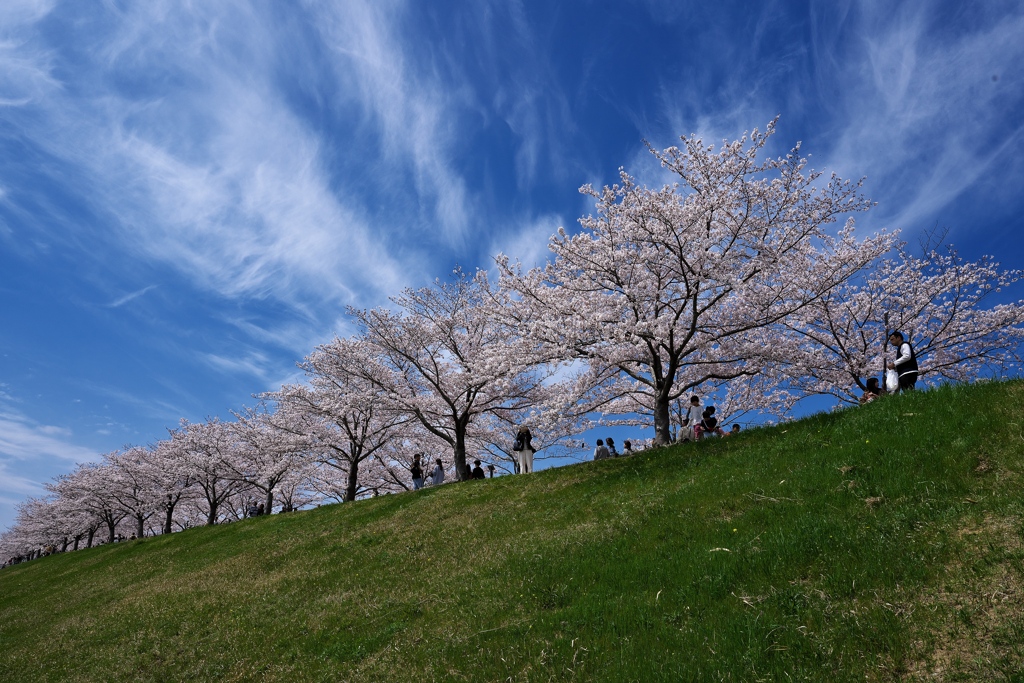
<point>980,608</point>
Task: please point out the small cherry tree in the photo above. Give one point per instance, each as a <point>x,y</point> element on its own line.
<point>270,446</point>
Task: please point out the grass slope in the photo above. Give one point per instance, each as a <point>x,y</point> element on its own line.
<point>881,542</point>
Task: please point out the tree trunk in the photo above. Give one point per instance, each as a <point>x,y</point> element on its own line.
<point>92,533</point>
<point>77,539</point>
<point>140,526</point>
<point>110,528</point>
<point>461,470</point>
<point>662,421</point>
<point>352,485</point>
<point>64,545</point>
<point>270,499</point>
<point>211,518</point>
<point>169,519</point>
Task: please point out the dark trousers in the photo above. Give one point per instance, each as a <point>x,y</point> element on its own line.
<point>908,381</point>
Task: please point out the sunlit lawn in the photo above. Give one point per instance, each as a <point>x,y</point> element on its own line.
<point>880,542</point>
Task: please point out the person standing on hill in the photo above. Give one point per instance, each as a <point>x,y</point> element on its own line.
<point>478,471</point>
<point>437,476</point>
<point>611,447</point>
<point>905,364</point>
<point>600,453</point>
<point>524,446</point>
<point>692,420</point>
<point>417,473</point>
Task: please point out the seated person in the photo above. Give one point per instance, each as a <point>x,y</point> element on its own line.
<point>872,391</point>
<point>709,423</point>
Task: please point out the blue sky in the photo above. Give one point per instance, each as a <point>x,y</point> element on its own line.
<point>192,192</point>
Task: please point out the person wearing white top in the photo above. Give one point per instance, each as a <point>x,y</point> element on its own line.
<point>694,415</point>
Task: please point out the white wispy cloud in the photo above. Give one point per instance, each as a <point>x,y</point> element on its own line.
<point>528,240</point>
<point>921,107</point>
<point>214,173</point>
<point>121,301</point>
<point>24,439</point>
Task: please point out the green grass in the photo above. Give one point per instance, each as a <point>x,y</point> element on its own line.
<point>878,543</point>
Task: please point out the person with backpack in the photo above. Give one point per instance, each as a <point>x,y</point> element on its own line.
<point>523,445</point>
<point>905,364</point>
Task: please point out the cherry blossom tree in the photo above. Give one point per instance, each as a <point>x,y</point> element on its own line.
<point>271,445</point>
<point>90,489</point>
<point>449,356</point>
<point>345,416</point>
<point>938,300</point>
<point>208,451</point>
<point>172,476</point>
<point>666,289</point>
<point>133,485</point>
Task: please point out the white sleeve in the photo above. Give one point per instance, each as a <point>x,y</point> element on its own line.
<point>904,354</point>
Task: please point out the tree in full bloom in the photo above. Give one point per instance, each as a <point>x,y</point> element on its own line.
<point>90,489</point>
<point>133,485</point>
<point>270,445</point>
<point>667,289</point>
<point>207,451</point>
<point>450,356</point>
<point>346,417</point>
<point>939,302</point>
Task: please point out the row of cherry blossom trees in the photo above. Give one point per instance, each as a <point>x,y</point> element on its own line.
<point>734,280</point>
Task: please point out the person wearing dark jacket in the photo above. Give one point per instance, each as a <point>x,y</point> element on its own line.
<point>524,446</point>
<point>905,364</point>
<point>417,473</point>
<point>478,472</point>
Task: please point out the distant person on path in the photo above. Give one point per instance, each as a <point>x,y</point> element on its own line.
<point>905,364</point>
<point>692,420</point>
<point>601,453</point>
<point>611,447</point>
<point>524,446</point>
<point>417,473</point>
<point>437,476</point>
<point>872,391</point>
<point>478,472</point>
<point>260,510</point>
<point>490,470</point>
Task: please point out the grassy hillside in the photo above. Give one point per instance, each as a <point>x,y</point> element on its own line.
<point>878,543</point>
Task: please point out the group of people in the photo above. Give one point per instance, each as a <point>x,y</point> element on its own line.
<point>901,373</point>
<point>437,473</point>
<point>606,449</point>
<point>254,510</point>
<point>701,421</point>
